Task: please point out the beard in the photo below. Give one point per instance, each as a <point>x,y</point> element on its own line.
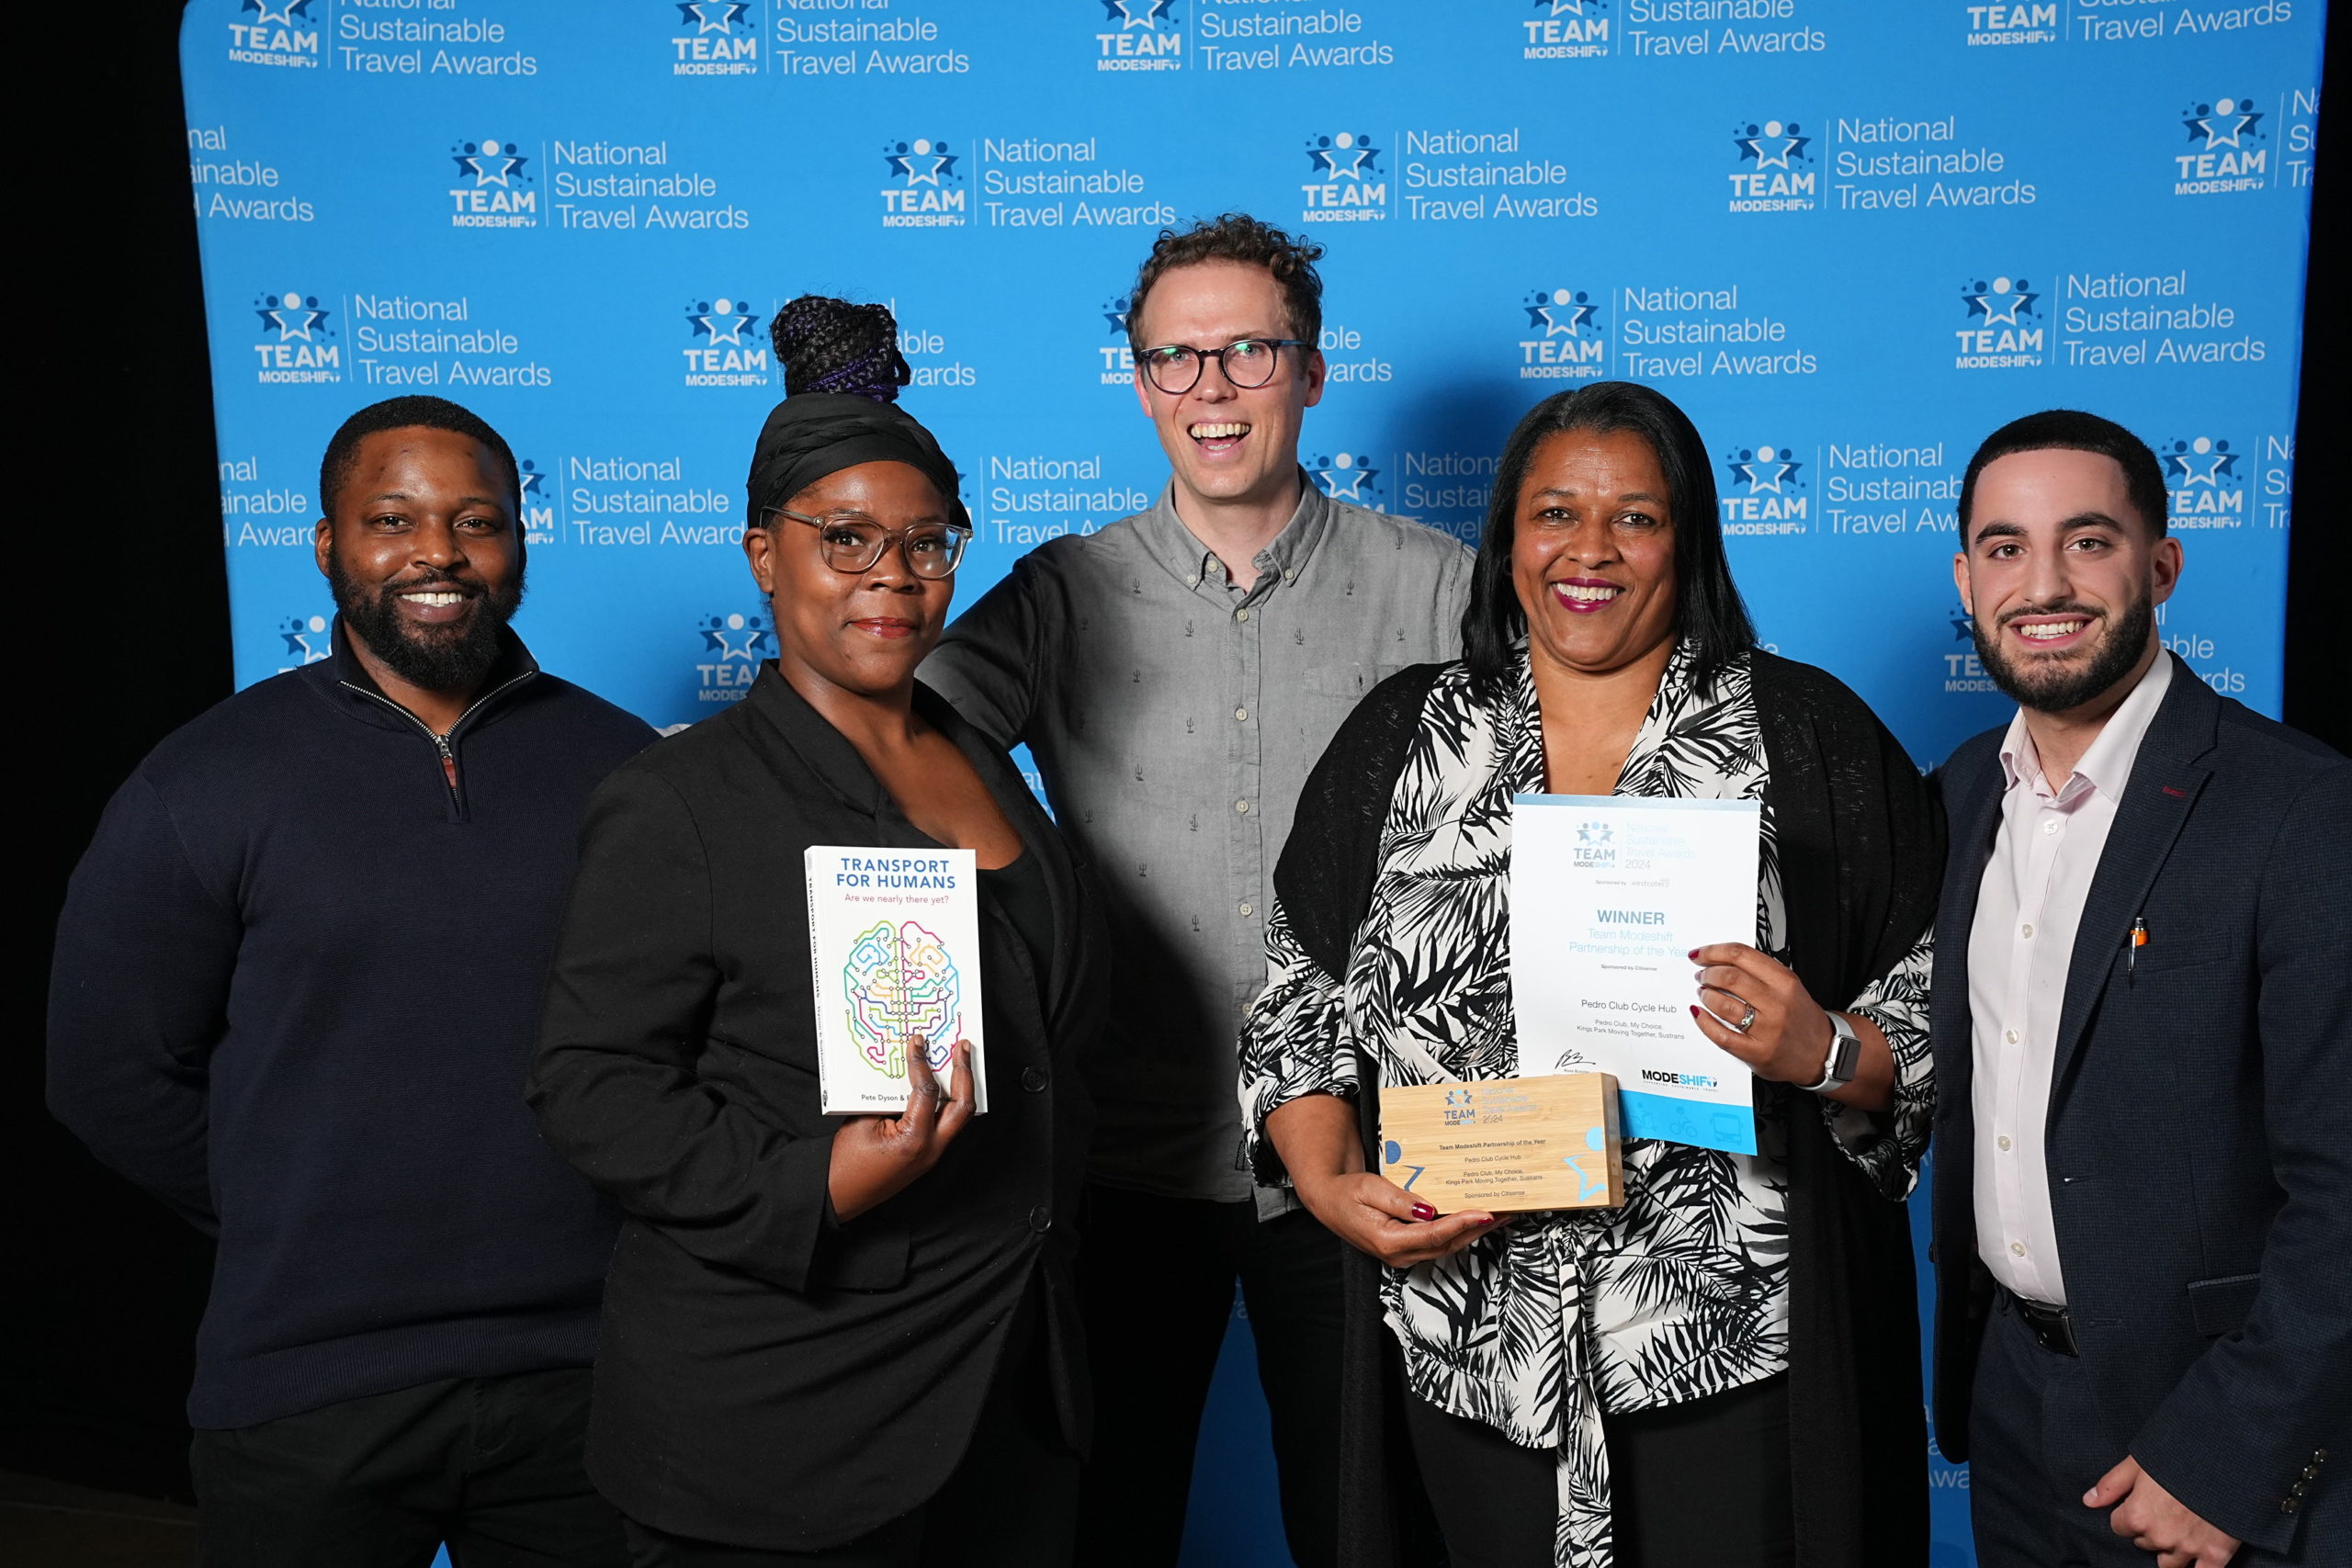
<point>2057,685</point>
<point>438,658</point>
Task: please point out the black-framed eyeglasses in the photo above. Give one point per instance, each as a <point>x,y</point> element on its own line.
<point>853,542</point>
<point>1249,363</point>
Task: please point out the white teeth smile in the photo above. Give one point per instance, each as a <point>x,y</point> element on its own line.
<point>2050,631</point>
<point>435,601</point>
<point>1587,596</point>
<point>1208,431</point>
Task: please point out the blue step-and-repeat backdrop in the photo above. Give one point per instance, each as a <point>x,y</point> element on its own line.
<point>1848,236</point>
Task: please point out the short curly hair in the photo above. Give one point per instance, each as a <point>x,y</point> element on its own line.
<point>1237,237</point>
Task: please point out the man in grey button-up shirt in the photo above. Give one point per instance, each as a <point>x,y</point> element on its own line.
<point>1176,676</point>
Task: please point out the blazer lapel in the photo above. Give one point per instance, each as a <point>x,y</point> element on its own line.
<point>2157,797</point>
<point>1975,819</point>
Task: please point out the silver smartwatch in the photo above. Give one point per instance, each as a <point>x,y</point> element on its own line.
<point>1845,1056</point>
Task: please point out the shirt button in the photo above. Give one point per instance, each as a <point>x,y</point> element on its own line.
<point>1245,909</point>
<point>2017,1248</point>
<point>1041,1219</point>
<point>1033,1078</point>
<point>1291,576</point>
<point>2027,928</point>
<point>2011,1036</point>
<point>2051,826</point>
<point>1242,806</point>
<point>1240,615</point>
<point>2002,1143</point>
<point>1242,714</point>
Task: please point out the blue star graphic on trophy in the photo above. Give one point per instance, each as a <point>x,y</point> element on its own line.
<point>1770,145</point>
<point>712,17</point>
<point>2224,122</point>
<point>2200,461</point>
<point>722,321</point>
<point>922,161</point>
<point>2001,302</point>
<point>1135,13</point>
<point>291,315</point>
<point>1347,156</point>
<point>1343,476</point>
<point>284,16</point>
<point>490,163</point>
<point>1763,468</point>
<point>1561,313</point>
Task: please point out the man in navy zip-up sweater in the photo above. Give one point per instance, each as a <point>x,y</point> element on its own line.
<point>297,985</point>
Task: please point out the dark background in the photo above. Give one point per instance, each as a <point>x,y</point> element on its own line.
<point>104,1285</point>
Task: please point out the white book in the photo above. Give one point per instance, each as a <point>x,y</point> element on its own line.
<point>894,941</point>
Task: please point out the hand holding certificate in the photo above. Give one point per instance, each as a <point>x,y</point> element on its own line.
<point>1609,896</point>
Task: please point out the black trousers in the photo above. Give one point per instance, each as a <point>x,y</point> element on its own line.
<point>1155,1281</point>
<point>1011,1502</point>
<point>490,1465</point>
<point>1498,1503</point>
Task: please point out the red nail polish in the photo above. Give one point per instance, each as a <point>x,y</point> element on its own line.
<point>1694,956</point>
<point>1694,1010</point>
<point>1488,1221</point>
<point>1423,1211</point>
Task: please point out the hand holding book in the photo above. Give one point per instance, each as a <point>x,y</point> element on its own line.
<point>876,1157</point>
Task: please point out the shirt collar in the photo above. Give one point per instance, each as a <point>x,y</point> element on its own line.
<point>1179,550</point>
<point>2108,763</point>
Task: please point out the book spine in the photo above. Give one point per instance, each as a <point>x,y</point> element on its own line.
<point>816,986</point>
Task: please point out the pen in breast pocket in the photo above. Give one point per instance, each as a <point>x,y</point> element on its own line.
<point>2132,953</point>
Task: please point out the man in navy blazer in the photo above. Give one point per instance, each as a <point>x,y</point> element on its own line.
<point>2142,1032</point>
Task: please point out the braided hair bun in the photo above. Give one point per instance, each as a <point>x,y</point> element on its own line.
<point>832,345</point>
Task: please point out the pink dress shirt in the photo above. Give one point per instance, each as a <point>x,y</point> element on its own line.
<point>2028,908</point>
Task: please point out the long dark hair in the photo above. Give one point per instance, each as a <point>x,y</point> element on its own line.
<point>1709,617</point>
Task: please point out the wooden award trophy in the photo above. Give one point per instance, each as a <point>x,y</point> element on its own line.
<point>1505,1146</point>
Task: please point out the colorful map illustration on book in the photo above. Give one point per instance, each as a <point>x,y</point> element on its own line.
<point>900,980</point>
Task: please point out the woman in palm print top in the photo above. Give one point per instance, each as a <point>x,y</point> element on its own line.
<point>1725,1371</point>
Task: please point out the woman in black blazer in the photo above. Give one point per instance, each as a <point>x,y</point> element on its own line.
<point>840,1341</point>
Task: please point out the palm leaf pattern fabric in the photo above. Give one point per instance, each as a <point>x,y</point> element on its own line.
<point>1554,1318</point>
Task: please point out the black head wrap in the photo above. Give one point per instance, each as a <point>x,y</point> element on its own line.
<point>815,434</point>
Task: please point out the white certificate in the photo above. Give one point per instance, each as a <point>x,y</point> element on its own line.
<point>1609,895</point>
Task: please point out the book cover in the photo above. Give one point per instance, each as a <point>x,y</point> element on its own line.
<point>894,941</point>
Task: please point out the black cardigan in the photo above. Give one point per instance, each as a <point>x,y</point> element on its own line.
<point>1861,853</point>
<point>769,1377</point>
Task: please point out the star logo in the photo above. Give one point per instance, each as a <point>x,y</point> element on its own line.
<point>2001,303</point>
<point>286,15</point>
<point>306,638</point>
<point>1561,313</point>
<point>1343,476</point>
<point>747,637</point>
<point>1594,834</point>
<point>1457,1097</point>
<point>2224,122</point>
<point>706,16</point>
<point>1115,313</point>
<point>722,321</point>
<point>1962,627</point>
<point>533,482</point>
<point>1147,14</point>
<point>1770,145</point>
<point>1347,156</point>
<point>1763,468</point>
<point>921,162</point>
<point>1570,8</point>
<point>2200,461</point>
<point>292,315</point>
<point>490,163</point>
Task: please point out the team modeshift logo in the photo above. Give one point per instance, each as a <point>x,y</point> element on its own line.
<point>296,346</point>
<point>1569,29</point>
<point>308,640</point>
<point>1118,358</point>
<point>1350,476</point>
<point>2004,332</point>
<point>1140,35</point>
<point>2225,152</point>
<point>2202,478</point>
<point>494,188</point>
<point>1564,340</point>
<point>282,35</point>
<point>538,514</point>
<point>715,37</point>
<point>733,646</point>
<point>1594,848</point>
<point>2001,25</point>
<point>726,350</point>
<point>1776,171</point>
<point>1767,494</point>
<point>926,188</point>
<point>1348,185</point>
